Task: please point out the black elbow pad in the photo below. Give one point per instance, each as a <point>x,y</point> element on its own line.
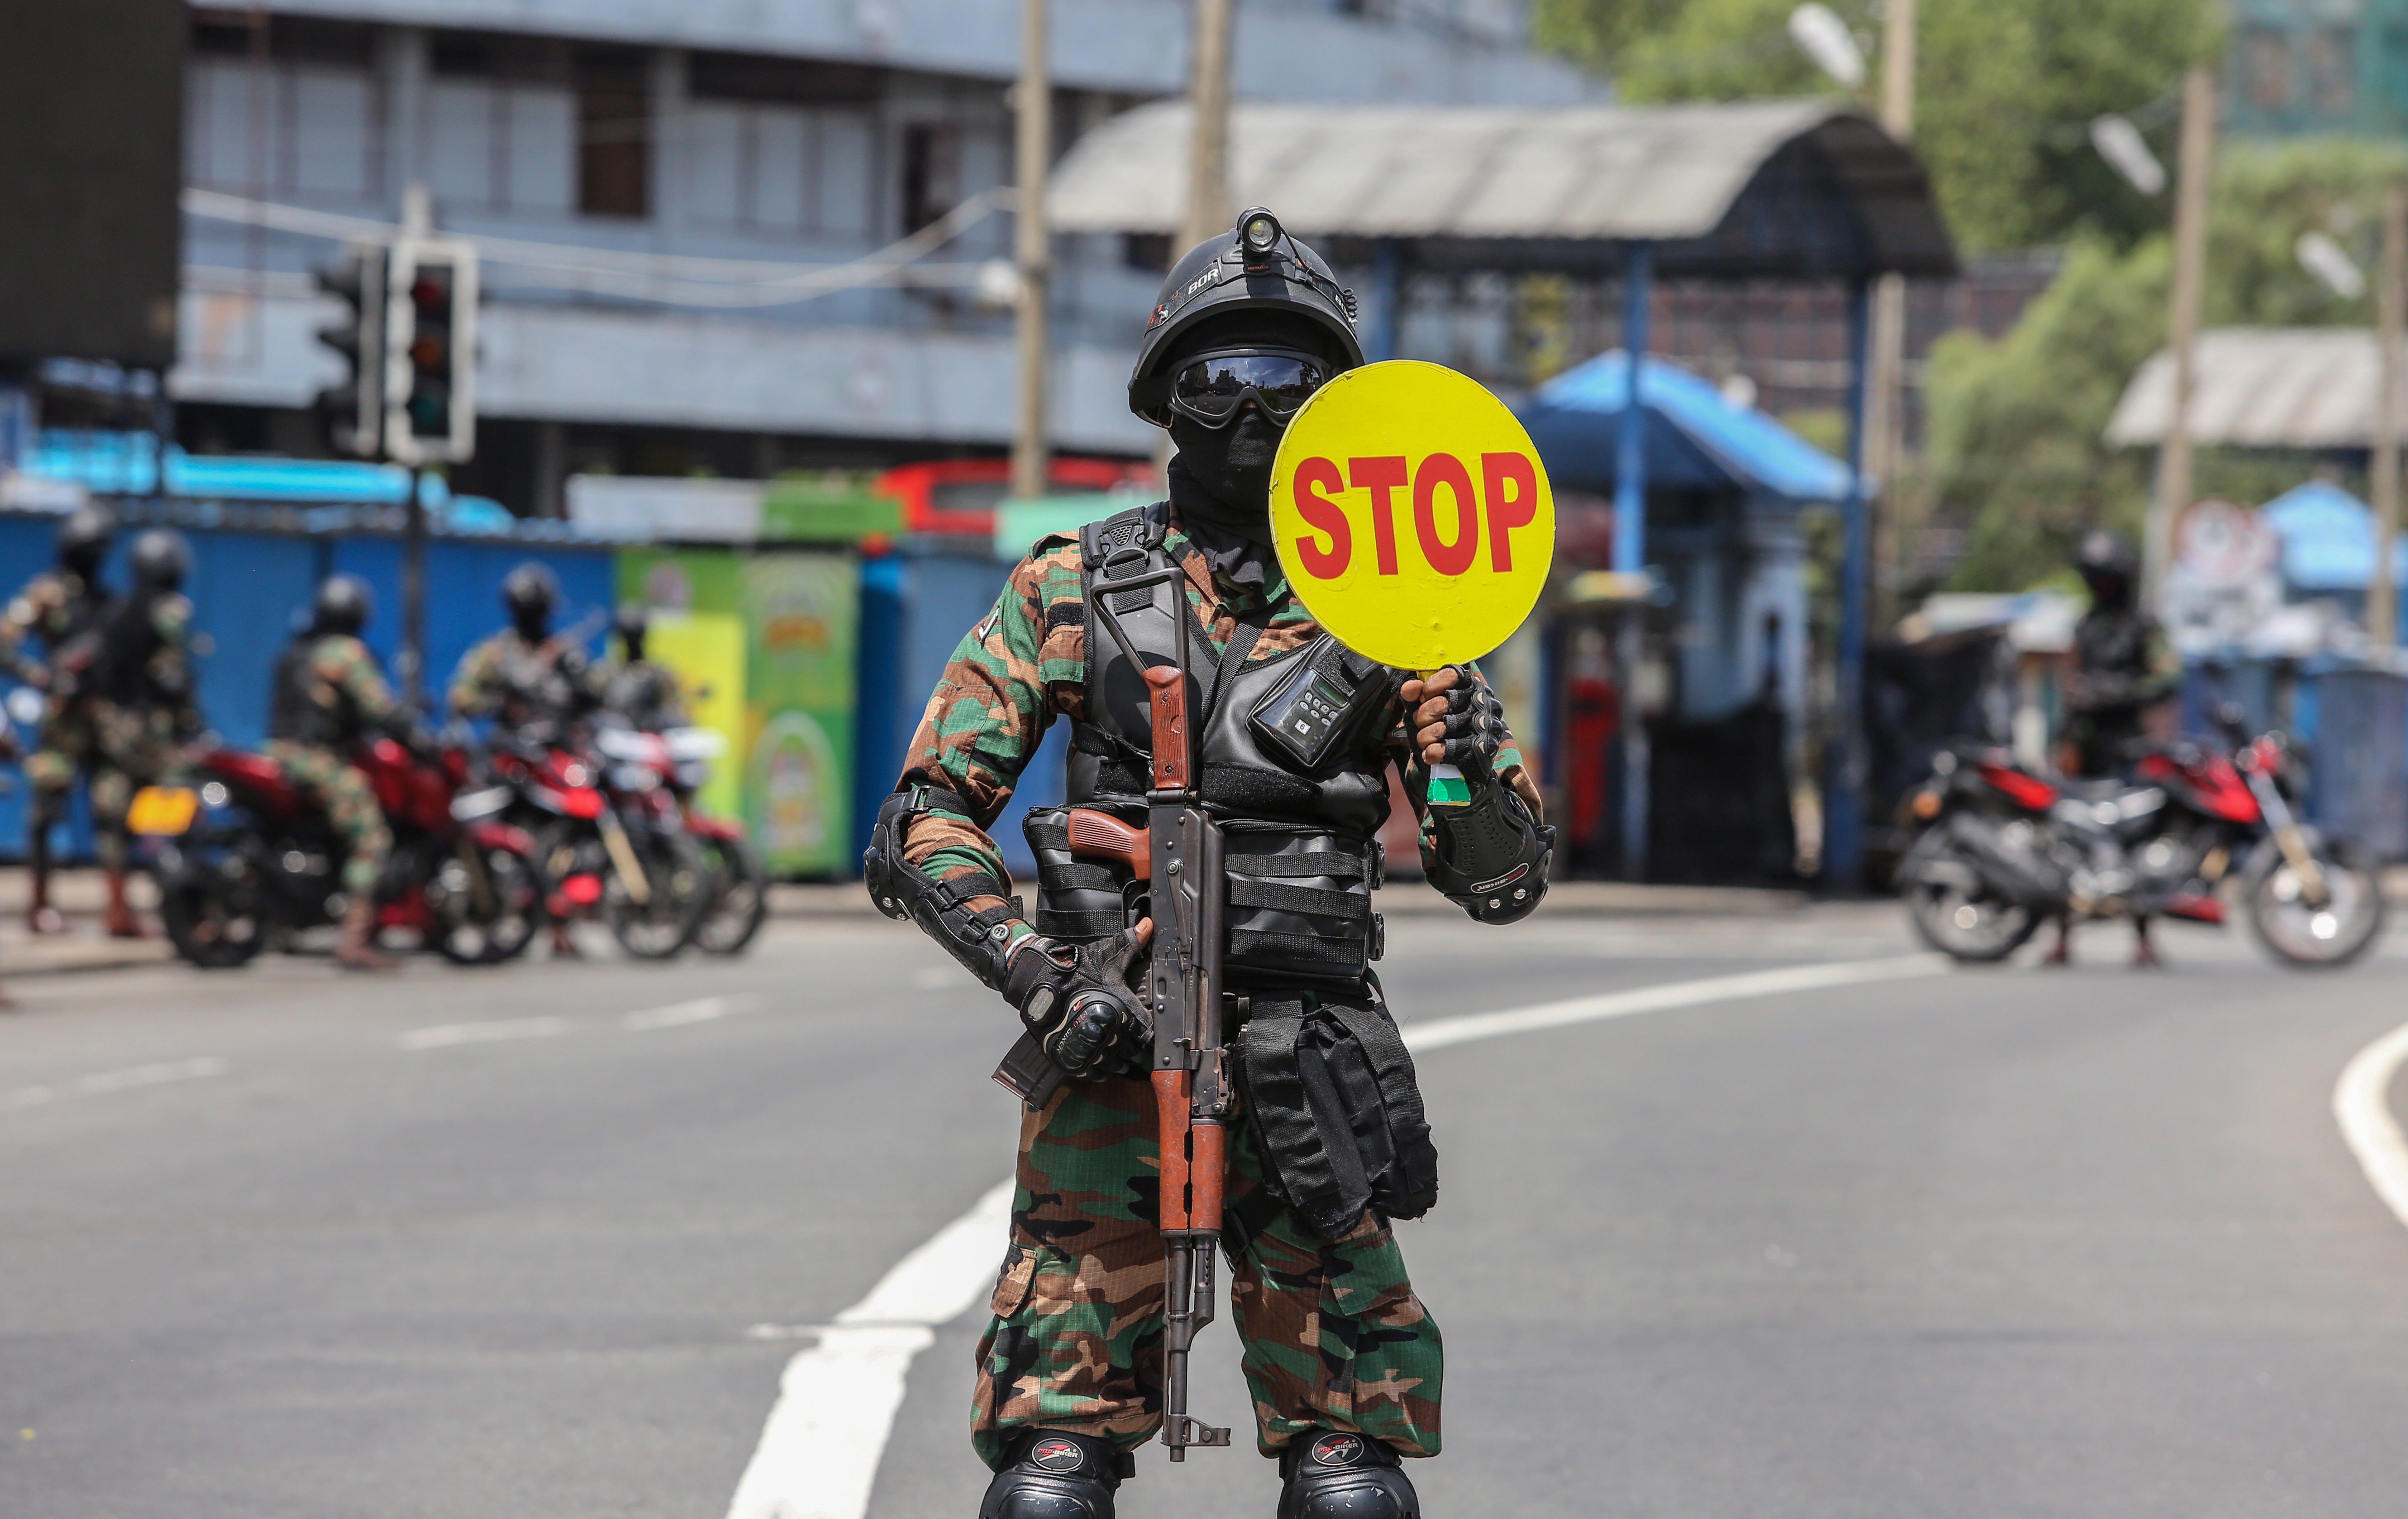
<point>1492,859</point>
<point>900,889</point>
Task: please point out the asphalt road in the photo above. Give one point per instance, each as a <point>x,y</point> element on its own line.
<point>540,1242</point>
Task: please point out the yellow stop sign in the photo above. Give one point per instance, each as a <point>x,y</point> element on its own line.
<point>1412,516</point>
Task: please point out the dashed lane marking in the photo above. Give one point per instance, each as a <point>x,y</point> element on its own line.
<point>701,1009</point>
<point>444,1036</point>
<point>819,1449</point>
<point>2361,1105</point>
<point>101,1084</point>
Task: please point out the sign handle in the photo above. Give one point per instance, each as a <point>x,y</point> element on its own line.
<point>1447,787</point>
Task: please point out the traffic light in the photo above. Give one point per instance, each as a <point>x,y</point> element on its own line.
<point>430,367</point>
<point>352,410</point>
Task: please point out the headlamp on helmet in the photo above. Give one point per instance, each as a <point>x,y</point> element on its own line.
<point>1258,233</point>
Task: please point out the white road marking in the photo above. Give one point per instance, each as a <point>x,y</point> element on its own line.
<point>679,1014</point>
<point>104,1082</point>
<point>444,1036</point>
<point>820,1449</point>
<point>1440,1033</point>
<point>836,1403</point>
<point>2361,1104</point>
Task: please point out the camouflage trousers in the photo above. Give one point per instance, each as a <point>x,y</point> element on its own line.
<point>118,748</point>
<point>1331,1331</point>
<point>331,781</point>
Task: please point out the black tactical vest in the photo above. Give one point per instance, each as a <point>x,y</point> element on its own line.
<point>298,711</point>
<point>1289,758</point>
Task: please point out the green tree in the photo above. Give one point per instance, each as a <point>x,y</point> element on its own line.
<point>2005,90</point>
<point>2015,445</point>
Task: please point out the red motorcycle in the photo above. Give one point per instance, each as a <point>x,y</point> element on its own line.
<point>242,858</point>
<point>604,848</point>
<point>2000,849</point>
<point>663,772</point>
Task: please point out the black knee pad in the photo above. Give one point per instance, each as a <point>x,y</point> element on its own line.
<point>1333,1474</point>
<point>1056,1476</point>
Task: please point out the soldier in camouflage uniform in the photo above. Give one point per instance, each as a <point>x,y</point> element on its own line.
<point>328,694</point>
<point>144,711</point>
<point>523,676</point>
<point>64,607</point>
<point>1344,1363</point>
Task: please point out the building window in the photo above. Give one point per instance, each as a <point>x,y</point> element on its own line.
<point>501,124</point>
<point>289,110</point>
<point>779,146</point>
<point>614,132</point>
<point>2331,70</point>
<point>2266,67</point>
<point>932,172</point>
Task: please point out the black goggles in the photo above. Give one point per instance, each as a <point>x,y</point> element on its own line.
<point>1211,387</point>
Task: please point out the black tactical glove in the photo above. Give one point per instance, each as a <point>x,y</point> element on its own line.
<point>1079,1003</point>
<point>1472,727</point>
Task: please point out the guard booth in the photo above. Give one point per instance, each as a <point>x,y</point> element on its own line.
<point>1764,191</point>
<point>1723,671</point>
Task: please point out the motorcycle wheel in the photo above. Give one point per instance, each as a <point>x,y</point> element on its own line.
<point>1953,913</point>
<point>2310,937</point>
<point>467,938</point>
<point>739,898</point>
<point>214,921</point>
<point>680,881</point>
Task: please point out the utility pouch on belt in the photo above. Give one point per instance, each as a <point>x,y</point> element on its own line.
<point>1331,1093</point>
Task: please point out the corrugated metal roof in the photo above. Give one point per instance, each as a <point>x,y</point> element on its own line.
<point>2261,388</point>
<point>1668,174</point>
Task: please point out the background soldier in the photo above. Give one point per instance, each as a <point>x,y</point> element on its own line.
<point>644,693</point>
<point>144,710</point>
<point>1343,1362</point>
<point>523,674</point>
<point>328,694</point>
<point>64,607</point>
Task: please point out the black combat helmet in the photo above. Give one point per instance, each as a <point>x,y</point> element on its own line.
<point>84,538</point>
<point>1258,268</point>
<point>2107,568</point>
<point>343,605</point>
<point>162,559</point>
<point>529,591</point>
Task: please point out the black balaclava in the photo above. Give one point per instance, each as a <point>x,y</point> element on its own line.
<point>1220,477</point>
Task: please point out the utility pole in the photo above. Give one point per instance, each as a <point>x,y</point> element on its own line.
<point>2190,275</point>
<point>2390,316</point>
<point>1033,128</point>
<point>1886,408</point>
<point>1207,149</point>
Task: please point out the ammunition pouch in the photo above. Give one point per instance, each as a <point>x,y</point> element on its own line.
<point>1331,1093</point>
<point>1300,902</point>
<point>900,889</point>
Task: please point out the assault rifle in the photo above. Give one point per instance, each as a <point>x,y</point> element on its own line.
<point>1179,859</point>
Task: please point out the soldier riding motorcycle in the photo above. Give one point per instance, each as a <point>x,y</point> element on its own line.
<point>1292,736</point>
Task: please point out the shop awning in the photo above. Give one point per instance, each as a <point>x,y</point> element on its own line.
<point>1770,189</point>
<point>1697,438</point>
<point>2261,388</point>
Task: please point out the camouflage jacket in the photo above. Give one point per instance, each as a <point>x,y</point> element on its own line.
<point>1024,663</point>
<point>507,677</point>
<point>54,607</point>
<point>151,633</point>
<point>334,692</point>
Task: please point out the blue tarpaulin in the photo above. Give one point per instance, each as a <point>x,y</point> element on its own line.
<point>1697,439</point>
<point>2329,538</point>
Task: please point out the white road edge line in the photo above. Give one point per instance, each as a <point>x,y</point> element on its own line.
<point>702,1009</point>
<point>2361,1104</point>
<point>103,1082</point>
<point>819,1452</point>
<point>444,1036</point>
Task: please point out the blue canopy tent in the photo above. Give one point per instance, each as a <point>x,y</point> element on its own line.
<point>2328,540</point>
<point>1723,487</point>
